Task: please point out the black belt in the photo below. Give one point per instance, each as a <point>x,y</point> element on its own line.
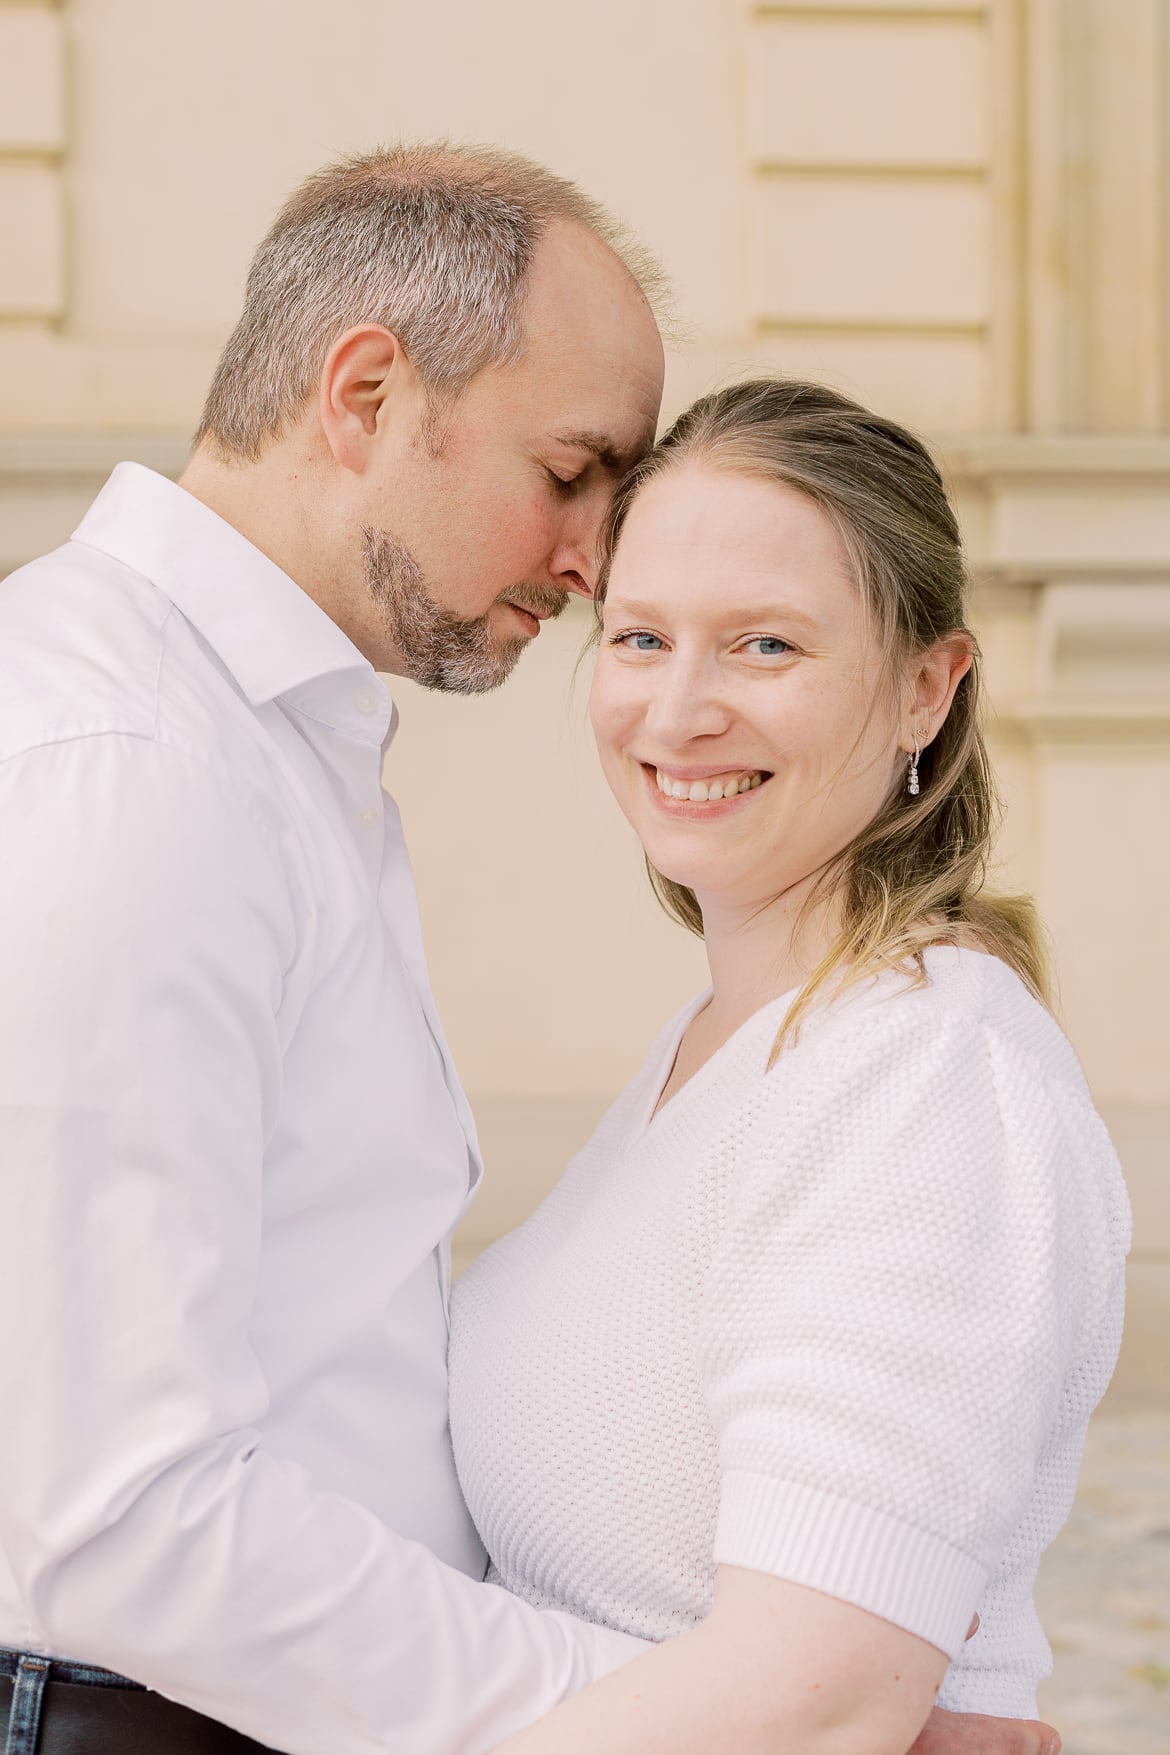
<point>53,1706</point>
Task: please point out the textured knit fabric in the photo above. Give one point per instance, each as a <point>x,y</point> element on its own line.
<point>843,1322</point>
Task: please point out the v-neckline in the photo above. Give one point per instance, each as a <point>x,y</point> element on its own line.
<point>653,1110</point>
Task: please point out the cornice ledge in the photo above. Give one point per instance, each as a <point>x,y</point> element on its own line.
<point>1075,719</point>
<point>73,456</point>
<point>1055,457</point>
<point>56,459</point>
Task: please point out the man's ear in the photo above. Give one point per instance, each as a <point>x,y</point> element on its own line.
<point>934,677</point>
<point>366,382</point>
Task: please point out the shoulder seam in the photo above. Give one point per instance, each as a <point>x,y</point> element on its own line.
<point>162,654</point>
<point>228,788</point>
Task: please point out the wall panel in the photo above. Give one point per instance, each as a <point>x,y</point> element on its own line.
<point>907,94</point>
<point>32,276</point>
<point>867,268</point>
<point>32,146</point>
<point>1098,243</point>
<point>874,190</point>
<point>32,87</point>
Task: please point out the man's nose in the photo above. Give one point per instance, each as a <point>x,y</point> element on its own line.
<point>582,582</point>
<point>576,562</point>
<point>574,567</point>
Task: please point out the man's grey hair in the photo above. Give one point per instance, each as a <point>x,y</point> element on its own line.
<point>432,241</point>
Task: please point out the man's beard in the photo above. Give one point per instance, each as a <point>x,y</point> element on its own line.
<point>437,649</point>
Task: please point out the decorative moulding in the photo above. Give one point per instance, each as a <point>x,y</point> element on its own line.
<point>59,457</point>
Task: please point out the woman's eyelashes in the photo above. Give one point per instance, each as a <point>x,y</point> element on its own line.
<point>755,645</point>
<point>638,640</point>
<point>769,646</point>
<point>562,484</point>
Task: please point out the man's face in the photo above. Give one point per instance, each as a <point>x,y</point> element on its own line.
<point>483,516</point>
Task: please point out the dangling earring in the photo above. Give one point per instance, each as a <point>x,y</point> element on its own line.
<point>912,785</point>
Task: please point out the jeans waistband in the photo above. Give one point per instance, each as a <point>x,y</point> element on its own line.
<point>67,1670</point>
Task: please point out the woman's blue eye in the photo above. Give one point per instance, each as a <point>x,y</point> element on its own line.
<point>769,646</point>
<point>639,642</point>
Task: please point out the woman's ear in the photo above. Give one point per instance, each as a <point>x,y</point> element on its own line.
<point>934,676</point>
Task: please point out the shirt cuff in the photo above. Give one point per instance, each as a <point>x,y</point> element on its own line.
<point>612,1650</point>
<point>850,1551</point>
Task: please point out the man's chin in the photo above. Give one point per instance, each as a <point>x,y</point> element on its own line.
<point>474,674</point>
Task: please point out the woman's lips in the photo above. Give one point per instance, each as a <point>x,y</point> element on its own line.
<point>708,792</point>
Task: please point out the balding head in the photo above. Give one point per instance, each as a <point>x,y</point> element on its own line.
<point>432,242</point>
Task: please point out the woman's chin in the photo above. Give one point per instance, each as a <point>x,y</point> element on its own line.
<point>701,877</point>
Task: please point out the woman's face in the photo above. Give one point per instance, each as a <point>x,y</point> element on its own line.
<point>738,700</point>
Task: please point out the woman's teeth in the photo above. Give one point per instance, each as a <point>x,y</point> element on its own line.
<point>707,791</point>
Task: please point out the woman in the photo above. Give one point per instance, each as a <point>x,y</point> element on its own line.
<point>796,1361</point>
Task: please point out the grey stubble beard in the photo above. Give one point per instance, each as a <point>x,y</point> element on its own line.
<point>438,649</point>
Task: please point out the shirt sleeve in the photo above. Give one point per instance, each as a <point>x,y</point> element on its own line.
<point>892,1311</point>
<point>146,936</point>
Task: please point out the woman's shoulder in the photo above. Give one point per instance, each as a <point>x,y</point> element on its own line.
<point>954,999</point>
<point>963,1028</point>
<point>914,1073</point>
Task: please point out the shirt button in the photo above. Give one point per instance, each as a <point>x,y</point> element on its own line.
<point>367,702</point>
<point>369,816</point>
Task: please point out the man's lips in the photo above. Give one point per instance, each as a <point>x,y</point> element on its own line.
<point>534,610</point>
<point>528,621</point>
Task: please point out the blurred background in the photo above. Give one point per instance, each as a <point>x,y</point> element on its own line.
<point>959,212</point>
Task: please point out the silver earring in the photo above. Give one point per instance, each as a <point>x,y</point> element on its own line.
<point>912,785</point>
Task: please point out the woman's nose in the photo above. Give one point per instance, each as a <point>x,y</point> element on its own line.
<point>684,702</point>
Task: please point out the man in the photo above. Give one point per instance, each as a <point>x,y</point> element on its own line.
<point>233,1143</point>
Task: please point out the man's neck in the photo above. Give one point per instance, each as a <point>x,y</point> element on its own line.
<point>259,499</point>
<point>275,503</point>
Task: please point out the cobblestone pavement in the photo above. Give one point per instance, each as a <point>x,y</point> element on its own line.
<point>1104,1595</point>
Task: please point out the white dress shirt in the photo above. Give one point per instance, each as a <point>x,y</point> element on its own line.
<point>232,1151</point>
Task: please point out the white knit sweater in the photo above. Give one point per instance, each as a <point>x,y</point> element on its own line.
<point>843,1321</point>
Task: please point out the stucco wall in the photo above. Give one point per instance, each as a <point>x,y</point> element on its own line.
<point>954,210</point>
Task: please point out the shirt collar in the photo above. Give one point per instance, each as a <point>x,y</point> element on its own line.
<point>268,632</point>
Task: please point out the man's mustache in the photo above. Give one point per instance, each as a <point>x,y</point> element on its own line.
<point>539,600</point>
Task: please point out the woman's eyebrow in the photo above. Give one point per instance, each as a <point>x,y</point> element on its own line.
<point>741,615</point>
<point>767,612</point>
<point>630,606</point>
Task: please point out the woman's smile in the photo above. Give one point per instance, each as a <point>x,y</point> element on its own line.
<point>702,794</point>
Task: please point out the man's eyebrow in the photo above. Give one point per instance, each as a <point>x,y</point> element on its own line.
<point>608,453</point>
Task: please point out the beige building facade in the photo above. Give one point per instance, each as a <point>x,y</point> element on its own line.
<point>956,211</point>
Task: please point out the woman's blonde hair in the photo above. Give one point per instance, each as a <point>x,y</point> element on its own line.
<point>916,874</point>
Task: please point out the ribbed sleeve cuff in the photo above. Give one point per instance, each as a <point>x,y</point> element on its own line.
<point>849,1551</point>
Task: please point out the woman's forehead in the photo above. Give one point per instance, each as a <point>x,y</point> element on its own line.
<point>708,540</point>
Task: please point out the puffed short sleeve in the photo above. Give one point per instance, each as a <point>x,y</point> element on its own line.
<point>912,1255</point>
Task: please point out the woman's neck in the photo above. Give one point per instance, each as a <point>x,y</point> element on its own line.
<point>759,950</point>
<point>755,951</point>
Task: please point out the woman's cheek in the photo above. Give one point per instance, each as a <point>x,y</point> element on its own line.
<point>609,713</point>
